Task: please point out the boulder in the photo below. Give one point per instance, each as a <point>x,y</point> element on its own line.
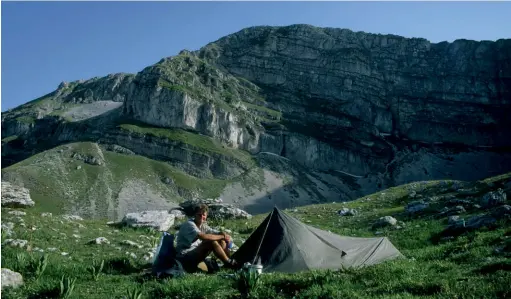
<point>502,212</point>
<point>17,213</point>
<point>11,278</point>
<point>15,242</point>
<point>99,240</point>
<point>7,228</point>
<point>385,221</point>
<point>416,207</point>
<point>494,198</point>
<point>217,210</point>
<point>15,196</point>
<point>347,212</point>
<point>160,220</point>
<point>178,214</point>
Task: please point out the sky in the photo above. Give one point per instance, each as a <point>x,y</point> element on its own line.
<point>45,43</point>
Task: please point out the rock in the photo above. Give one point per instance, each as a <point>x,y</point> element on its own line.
<point>131,254</point>
<point>131,243</point>
<point>15,196</point>
<point>216,210</point>
<point>46,214</point>
<point>52,249</point>
<point>480,221</point>
<point>7,228</point>
<point>167,181</point>
<point>17,213</point>
<point>72,217</point>
<point>178,214</point>
<point>148,256</point>
<point>11,278</point>
<point>99,240</point>
<point>416,207</point>
<point>89,159</point>
<point>15,242</point>
<point>64,253</point>
<point>160,220</point>
<point>347,212</point>
<point>453,219</point>
<point>502,212</point>
<point>385,221</point>
<point>494,198</point>
<point>451,211</point>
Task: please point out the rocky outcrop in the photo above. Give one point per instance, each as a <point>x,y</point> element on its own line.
<point>15,196</point>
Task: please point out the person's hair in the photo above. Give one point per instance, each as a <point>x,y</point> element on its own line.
<point>201,209</point>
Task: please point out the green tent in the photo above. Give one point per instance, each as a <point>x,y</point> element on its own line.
<point>284,244</point>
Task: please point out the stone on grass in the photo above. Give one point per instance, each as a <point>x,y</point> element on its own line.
<point>159,220</point>
<point>494,198</point>
<point>347,212</point>
<point>131,243</point>
<point>15,196</point>
<point>385,221</point>
<point>416,207</point>
<point>72,217</point>
<point>99,240</point>
<point>11,279</point>
<point>15,243</point>
<point>17,213</point>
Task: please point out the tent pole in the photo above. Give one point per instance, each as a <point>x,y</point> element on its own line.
<point>262,238</point>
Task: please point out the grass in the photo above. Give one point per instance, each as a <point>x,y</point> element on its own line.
<point>465,267</point>
<point>58,181</point>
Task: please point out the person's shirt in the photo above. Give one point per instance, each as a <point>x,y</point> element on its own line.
<point>188,237</point>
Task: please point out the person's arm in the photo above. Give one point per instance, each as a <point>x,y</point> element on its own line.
<point>216,233</point>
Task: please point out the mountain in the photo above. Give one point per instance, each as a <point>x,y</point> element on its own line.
<point>267,116</point>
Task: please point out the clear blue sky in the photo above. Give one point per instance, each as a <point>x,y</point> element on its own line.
<point>44,44</point>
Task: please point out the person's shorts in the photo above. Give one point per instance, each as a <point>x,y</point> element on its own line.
<point>190,260</point>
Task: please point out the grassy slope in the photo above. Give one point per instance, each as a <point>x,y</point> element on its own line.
<point>466,267</point>
<point>53,176</point>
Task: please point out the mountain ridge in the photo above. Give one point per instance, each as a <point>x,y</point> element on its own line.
<point>385,109</point>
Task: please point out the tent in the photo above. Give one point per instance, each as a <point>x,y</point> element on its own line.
<point>284,244</point>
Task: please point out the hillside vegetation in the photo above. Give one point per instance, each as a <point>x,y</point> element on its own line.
<point>474,264</point>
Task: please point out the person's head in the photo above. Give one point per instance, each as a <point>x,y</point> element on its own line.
<point>201,213</point>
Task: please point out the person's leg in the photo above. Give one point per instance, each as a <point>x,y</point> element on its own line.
<point>223,244</point>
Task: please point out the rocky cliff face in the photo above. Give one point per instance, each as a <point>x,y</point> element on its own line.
<point>360,88</point>
<point>342,113</point>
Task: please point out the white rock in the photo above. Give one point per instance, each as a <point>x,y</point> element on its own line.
<point>160,220</point>
<point>131,243</point>
<point>15,243</point>
<point>46,214</point>
<point>17,213</point>
<point>72,217</point>
<point>11,278</point>
<point>15,196</point>
<point>52,249</point>
<point>99,240</point>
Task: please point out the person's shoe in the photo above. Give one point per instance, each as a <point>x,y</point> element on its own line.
<point>232,264</point>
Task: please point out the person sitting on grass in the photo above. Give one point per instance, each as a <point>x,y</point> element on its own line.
<point>196,240</point>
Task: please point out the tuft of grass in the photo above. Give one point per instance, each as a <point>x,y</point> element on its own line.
<point>67,286</point>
